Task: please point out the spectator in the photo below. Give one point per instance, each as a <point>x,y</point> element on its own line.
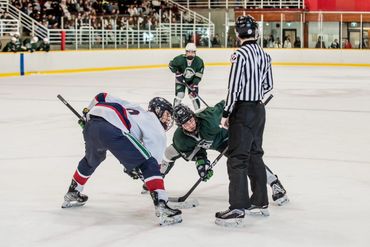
<point>216,42</point>
<point>363,44</point>
<point>12,46</point>
<point>277,43</point>
<point>271,41</point>
<point>30,44</point>
<point>5,15</point>
<point>334,44</point>
<point>44,46</point>
<point>287,43</point>
<point>320,43</point>
<point>347,44</point>
<point>297,43</point>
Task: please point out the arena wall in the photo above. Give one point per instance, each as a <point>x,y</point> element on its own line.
<point>104,60</point>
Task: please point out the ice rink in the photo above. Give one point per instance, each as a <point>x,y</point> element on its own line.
<point>317,140</point>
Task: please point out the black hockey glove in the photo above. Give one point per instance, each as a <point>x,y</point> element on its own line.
<point>180,78</point>
<point>135,174</point>
<point>204,169</point>
<point>81,122</point>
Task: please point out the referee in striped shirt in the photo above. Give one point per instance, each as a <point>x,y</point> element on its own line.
<point>244,115</point>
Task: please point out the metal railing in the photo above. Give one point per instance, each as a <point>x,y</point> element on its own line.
<point>256,4</point>
<point>198,18</point>
<point>8,26</point>
<point>3,3</point>
<point>89,38</point>
<point>164,36</point>
<point>27,22</point>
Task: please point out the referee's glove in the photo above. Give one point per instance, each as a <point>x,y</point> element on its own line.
<point>225,122</point>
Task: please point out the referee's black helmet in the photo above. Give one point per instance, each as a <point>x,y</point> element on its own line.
<point>246,27</point>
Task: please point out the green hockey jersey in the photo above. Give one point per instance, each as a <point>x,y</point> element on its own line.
<point>192,71</point>
<point>209,136</point>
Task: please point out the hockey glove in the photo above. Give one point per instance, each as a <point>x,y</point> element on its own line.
<point>83,122</point>
<point>193,90</point>
<point>135,174</point>
<point>180,78</point>
<point>204,169</point>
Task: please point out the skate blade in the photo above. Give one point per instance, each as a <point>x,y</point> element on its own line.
<point>67,204</point>
<point>167,221</point>
<point>257,212</point>
<point>191,203</point>
<point>282,201</point>
<point>238,222</point>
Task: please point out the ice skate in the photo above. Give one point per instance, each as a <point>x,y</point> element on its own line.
<point>258,210</point>
<point>144,190</point>
<point>74,198</point>
<point>279,195</point>
<point>230,218</point>
<point>166,215</point>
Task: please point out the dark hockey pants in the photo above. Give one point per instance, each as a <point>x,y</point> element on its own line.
<point>247,123</point>
<point>101,136</point>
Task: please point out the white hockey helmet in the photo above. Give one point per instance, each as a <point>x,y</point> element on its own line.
<point>13,39</point>
<point>191,47</point>
<point>34,39</point>
<point>46,40</point>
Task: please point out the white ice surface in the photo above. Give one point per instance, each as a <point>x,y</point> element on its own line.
<point>317,139</point>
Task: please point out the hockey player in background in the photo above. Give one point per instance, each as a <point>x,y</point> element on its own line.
<point>188,69</point>
<point>135,137</point>
<point>198,132</point>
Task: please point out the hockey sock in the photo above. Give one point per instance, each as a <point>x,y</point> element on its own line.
<point>80,180</point>
<point>153,178</point>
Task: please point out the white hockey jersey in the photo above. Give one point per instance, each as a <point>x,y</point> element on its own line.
<point>133,119</point>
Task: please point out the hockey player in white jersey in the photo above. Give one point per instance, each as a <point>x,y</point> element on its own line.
<point>135,137</point>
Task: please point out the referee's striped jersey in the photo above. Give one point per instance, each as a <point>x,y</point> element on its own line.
<point>250,75</point>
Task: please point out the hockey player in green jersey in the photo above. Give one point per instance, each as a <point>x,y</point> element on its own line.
<point>198,132</point>
<point>188,69</point>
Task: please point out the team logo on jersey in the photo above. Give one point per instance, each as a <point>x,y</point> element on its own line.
<point>189,73</point>
<point>233,58</point>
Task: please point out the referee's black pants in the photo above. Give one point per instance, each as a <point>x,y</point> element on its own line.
<point>247,122</point>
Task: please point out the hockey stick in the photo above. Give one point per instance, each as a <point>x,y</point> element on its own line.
<point>268,99</point>
<point>190,89</point>
<point>70,107</point>
<point>184,197</point>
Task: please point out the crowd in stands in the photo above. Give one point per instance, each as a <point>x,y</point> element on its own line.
<point>110,14</point>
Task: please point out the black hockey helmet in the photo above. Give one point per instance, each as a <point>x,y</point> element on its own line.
<point>158,106</point>
<point>246,27</point>
<point>182,114</point>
